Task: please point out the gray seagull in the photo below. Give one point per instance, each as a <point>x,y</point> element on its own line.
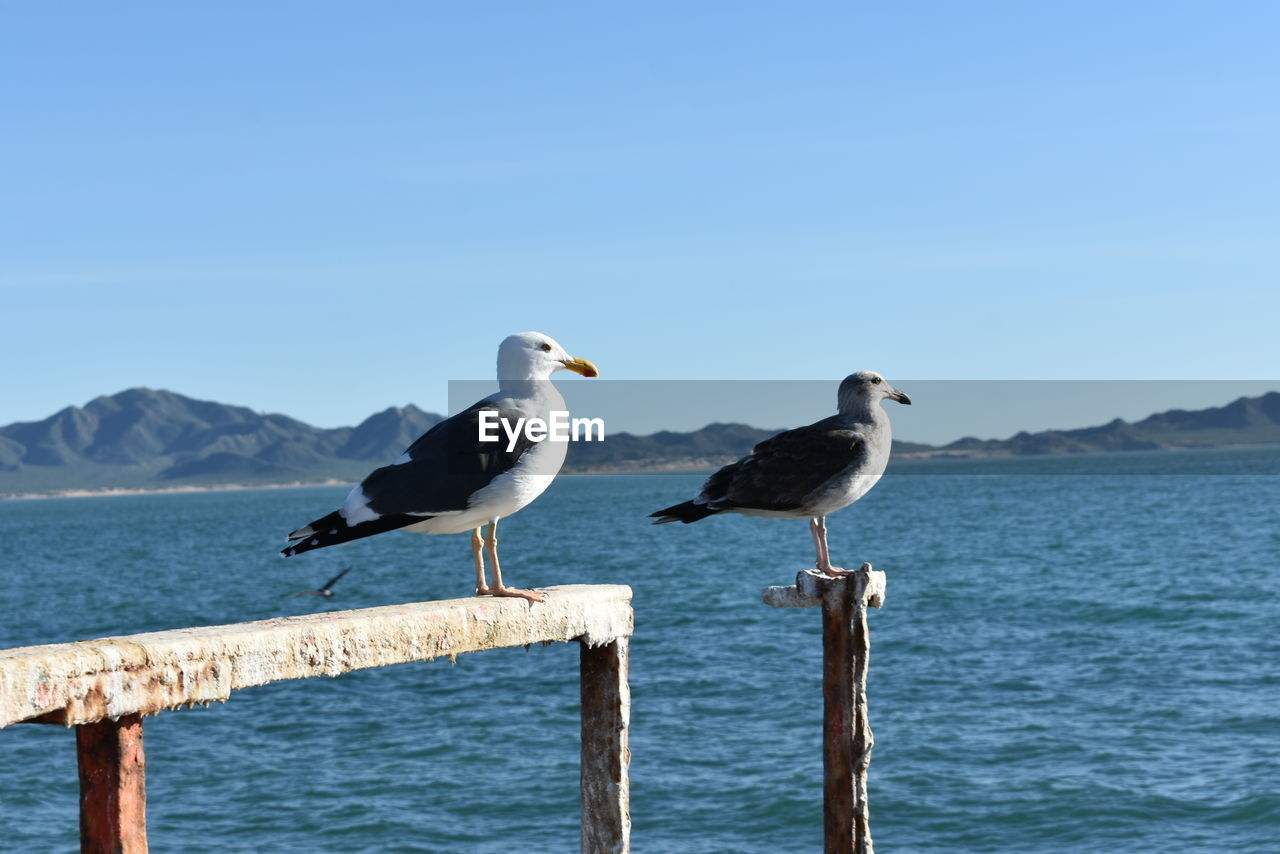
<point>326,591</point>
<point>808,472</point>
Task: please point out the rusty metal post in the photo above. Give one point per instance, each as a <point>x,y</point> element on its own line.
<point>113,796</point>
<point>606,756</point>
<point>846,735</point>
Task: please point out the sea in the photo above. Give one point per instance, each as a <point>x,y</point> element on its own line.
<point>1077,654</point>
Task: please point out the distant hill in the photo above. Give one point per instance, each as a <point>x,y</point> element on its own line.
<point>1245,421</point>
<point>714,444</point>
<point>666,450</point>
<point>148,439</point>
<point>143,438</point>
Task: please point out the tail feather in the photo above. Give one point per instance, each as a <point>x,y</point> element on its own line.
<point>333,529</point>
<point>686,512</point>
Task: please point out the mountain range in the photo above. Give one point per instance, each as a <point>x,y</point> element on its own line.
<point>143,438</point>
<point>1244,421</point>
<point>151,439</point>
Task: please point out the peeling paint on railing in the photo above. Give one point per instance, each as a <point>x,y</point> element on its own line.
<point>84,682</point>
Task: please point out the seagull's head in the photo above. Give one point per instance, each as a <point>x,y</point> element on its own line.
<point>860,391</point>
<point>534,356</point>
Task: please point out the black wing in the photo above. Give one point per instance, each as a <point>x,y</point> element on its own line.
<point>445,467</point>
<point>332,581</point>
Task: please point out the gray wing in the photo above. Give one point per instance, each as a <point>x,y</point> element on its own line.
<point>782,471</point>
<point>446,466</point>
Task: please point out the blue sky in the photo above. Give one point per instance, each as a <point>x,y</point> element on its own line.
<point>327,209</point>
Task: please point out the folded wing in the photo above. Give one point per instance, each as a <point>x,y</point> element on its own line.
<point>436,476</point>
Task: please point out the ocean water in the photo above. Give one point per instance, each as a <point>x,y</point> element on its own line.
<point>1067,661</point>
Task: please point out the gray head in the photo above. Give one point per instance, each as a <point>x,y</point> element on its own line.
<point>860,391</point>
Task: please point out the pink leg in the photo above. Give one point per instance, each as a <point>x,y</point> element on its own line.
<point>477,544</point>
<point>824,553</point>
<point>498,588</point>
<point>817,544</point>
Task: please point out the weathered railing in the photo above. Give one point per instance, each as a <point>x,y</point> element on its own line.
<point>104,688</point>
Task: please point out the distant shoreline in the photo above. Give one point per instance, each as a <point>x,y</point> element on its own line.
<point>687,466</point>
<point>113,492</point>
<point>693,467</point>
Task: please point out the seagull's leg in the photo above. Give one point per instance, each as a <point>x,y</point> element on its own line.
<point>498,588</point>
<point>824,556</point>
<point>477,553</point>
<point>817,543</point>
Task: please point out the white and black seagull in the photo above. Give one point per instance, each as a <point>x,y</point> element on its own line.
<point>808,472</point>
<point>449,481</point>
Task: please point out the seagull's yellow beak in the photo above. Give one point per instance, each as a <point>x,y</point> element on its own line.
<point>581,366</point>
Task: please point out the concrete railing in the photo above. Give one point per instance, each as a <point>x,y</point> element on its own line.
<point>106,687</point>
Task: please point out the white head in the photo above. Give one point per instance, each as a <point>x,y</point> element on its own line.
<point>534,356</point>
<point>860,391</point>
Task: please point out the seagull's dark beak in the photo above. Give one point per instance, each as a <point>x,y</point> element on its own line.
<point>900,396</point>
<point>581,366</point>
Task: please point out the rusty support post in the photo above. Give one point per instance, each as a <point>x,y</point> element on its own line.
<point>113,796</point>
<point>606,756</point>
<point>846,734</point>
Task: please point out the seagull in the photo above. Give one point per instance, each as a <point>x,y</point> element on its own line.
<point>450,480</point>
<point>808,472</point>
<point>326,591</point>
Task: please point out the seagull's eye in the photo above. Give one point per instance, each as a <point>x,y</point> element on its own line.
<point>546,348</point>
<point>875,380</point>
